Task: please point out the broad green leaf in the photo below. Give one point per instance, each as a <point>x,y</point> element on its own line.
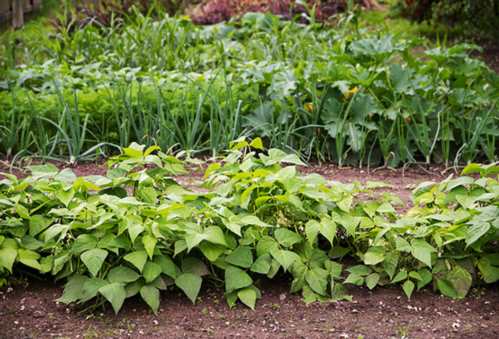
<point>386,208</point>
<point>132,289</point>
<point>54,231</point>
<point>461,281</point>
<point>402,245</point>
<point>402,275</point>
<point>286,237</point>
<point>168,267</point>
<point>471,168</point>
<point>248,296</point>
<point>333,268</point>
<point>426,278</point>
<point>262,264</point>
<point>150,295</point>
<point>354,279</point>
<point>415,275</point>
<point>285,258</point>
<point>234,227</point>
<point>211,251</point>
<point>190,284</point>
<point>180,246</point>
<point>195,266</point>
<point>317,279</point>
<point>149,244</point>
<point>22,211</point>
<point>312,228</point>
<point>374,255</point>
<point>345,204</point>
<point>29,258</point>
<point>73,289</point>
<point>134,150</point>
<point>360,270</point>
<point>151,271</point>
<point>257,143</point>
<point>446,288</point>
<point>476,231</point>
<point>390,263</point>
<point>349,222</point>
<point>84,243</point>
<point>122,274</point>
<point>94,259</point>
<point>46,264</point>
<point>236,278</point>
<point>43,170</point>
<point>38,223</point>
<point>90,288</point>
<point>408,287</point>
<point>328,229</point>
<point>241,256</point>
<point>266,245</point>
<point>372,280</point>
<point>65,196</point>
<point>489,268</point>
<point>421,250</point>
<point>231,298</point>
<point>137,259</point>
<point>115,293</point>
<point>193,239</point>
<point>215,235</point>
<point>134,229</point>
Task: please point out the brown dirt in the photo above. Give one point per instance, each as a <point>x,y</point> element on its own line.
<point>31,312</point>
<point>491,57</point>
<point>402,181</point>
<point>214,11</point>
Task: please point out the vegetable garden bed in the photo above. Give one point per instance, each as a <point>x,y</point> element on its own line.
<point>136,230</point>
<point>30,308</point>
<point>252,222</point>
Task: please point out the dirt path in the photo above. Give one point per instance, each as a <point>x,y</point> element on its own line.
<point>31,312</point>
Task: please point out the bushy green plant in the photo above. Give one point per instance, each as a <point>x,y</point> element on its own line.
<point>346,95</point>
<point>136,231</point>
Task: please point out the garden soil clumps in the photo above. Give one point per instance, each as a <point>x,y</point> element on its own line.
<point>31,312</point>
<point>214,11</point>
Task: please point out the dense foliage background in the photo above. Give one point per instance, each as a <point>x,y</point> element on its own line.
<point>348,94</point>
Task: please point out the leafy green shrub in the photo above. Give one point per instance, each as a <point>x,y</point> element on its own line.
<point>136,231</point>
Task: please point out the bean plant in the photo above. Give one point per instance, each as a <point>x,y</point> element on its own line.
<point>137,231</point>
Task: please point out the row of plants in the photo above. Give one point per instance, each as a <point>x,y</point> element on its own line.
<point>343,94</point>
<point>137,231</point>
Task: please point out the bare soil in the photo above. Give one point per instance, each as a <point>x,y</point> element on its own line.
<point>29,308</point>
<point>214,11</point>
<point>31,312</point>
